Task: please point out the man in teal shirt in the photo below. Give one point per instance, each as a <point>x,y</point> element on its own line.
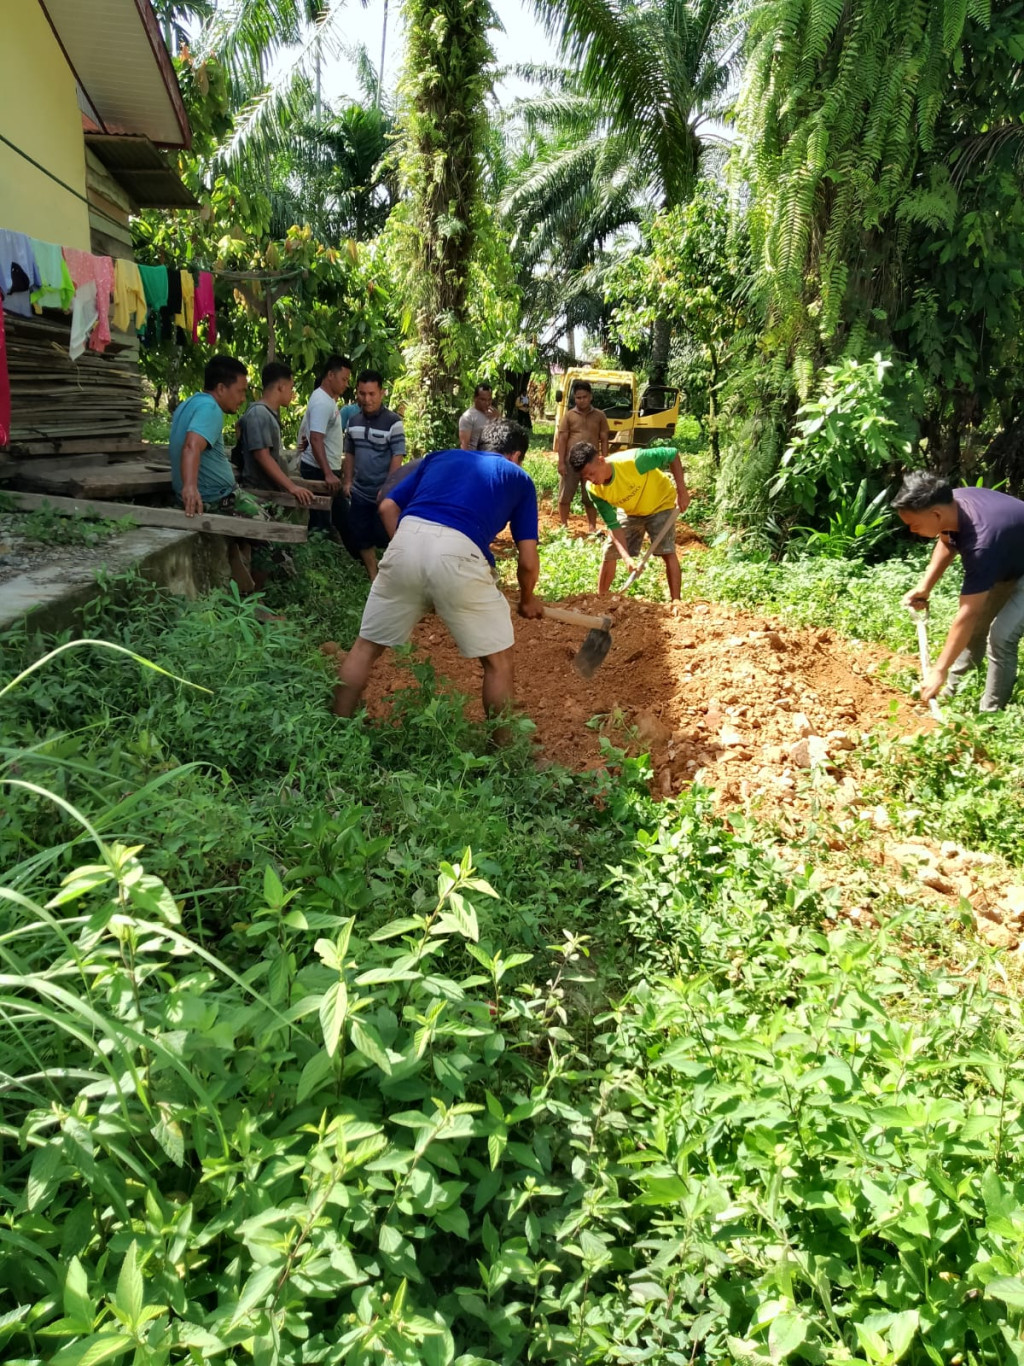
<point>201,473</point>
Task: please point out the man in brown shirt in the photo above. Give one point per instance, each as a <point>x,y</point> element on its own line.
<point>583,422</point>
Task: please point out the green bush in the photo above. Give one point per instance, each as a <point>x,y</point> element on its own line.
<point>277,1090</point>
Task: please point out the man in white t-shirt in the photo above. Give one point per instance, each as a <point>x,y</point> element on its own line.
<point>321,446</point>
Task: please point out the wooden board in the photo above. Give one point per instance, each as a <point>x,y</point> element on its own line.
<point>288,500</point>
<point>85,479</point>
<point>85,446</point>
<point>124,480</point>
<point>243,528</point>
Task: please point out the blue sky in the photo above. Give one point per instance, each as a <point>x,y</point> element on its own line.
<point>522,41</point>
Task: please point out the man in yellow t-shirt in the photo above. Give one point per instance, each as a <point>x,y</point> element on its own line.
<point>637,493</point>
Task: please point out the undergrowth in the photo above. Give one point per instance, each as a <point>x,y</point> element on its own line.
<point>291,1075</point>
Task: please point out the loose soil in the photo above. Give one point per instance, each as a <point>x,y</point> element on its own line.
<point>709,692</point>
<point>745,704</point>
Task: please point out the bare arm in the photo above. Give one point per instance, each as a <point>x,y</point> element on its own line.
<point>192,450</point>
<point>562,446</point>
<point>464,438</point>
<point>682,492</point>
<point>605,438</point>
<point>389,515</point>
<point>316,445</point>
<point>278,479</point>
<point>965,623</point>
<point>942,557</point>
<point>528,572</point>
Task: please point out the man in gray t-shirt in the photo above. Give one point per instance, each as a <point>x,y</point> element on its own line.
<point>475,419</point>
<point>259,436</point>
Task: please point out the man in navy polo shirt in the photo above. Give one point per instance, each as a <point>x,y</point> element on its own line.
<point>442,518</point>
<point>986,529</point>
<point>374,446</point>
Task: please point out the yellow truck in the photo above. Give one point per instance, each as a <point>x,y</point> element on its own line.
<point>635,419</point>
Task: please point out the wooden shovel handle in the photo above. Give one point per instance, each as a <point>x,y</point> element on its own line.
<point>577,618</point>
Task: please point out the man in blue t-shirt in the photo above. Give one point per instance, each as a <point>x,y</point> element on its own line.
<point>986,529</point>
<point>442,519</point>
<point>201,473</point>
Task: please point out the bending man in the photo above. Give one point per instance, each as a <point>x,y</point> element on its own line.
<point>442,519</point>
<point>635,487</point>
<point>986,529</point>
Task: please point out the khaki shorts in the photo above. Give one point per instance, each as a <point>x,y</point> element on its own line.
<point>432,568</point>
<point>653,525</point>
<point>568,483</point>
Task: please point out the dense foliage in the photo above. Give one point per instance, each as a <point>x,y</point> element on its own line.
<point>292,1075</point>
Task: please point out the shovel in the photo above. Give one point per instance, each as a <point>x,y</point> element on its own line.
<point>596,643</point>
<point>921,622</point>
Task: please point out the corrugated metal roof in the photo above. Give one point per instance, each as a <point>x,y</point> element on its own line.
<point>118,56</point>
<point>142,171</point>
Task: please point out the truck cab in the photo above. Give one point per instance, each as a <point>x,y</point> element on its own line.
<point>634,419</point>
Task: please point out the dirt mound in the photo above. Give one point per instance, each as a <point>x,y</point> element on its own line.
<point>739,700</point>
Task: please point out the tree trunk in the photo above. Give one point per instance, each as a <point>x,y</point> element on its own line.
<point>716,452</point>
<point>661,341</point>
<point>445,85</point>
<point>1004,459</point>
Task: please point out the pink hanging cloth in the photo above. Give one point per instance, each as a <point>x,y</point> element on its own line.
<point>85,267</point>
<point>5,385</point>
<point>204,308</point>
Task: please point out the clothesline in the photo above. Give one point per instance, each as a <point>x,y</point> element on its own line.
<point>99,291</point>
<point>95,289</point>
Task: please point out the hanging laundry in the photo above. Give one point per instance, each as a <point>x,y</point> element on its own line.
<point>204,308</point>
<point>100,270</point>
<point>55,287</point>
<point>154,284</point>
<point>84,315</point>
<point>169,313</point>
<point>18,272</point>
<point>5,386</point>
<point>185,318</point>
<point>129,299</point>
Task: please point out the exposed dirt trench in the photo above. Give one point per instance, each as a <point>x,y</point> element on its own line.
<point>705,689</point>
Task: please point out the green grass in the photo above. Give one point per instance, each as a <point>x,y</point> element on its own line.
<point>284,1080</point>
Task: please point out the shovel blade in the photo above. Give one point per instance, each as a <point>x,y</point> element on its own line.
<point>591,654</point>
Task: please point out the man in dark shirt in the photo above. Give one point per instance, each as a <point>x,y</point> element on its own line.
<point>442,518</point>
<point>986,529</point>
<point>374,446</point>
<point>259,435</point>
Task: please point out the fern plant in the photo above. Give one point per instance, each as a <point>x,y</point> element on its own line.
<point>838,105</point>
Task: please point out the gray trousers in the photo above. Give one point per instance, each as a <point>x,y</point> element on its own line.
<point>997,639</point>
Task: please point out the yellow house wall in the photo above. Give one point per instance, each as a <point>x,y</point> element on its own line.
<point>39,113</point>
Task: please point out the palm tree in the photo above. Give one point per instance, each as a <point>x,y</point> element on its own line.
<point>654,75</point>
<point>566,192</point>
<point>345,173</point>
<point>444,125</point>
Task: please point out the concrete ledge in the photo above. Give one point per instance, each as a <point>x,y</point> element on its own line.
<point>50,597</point>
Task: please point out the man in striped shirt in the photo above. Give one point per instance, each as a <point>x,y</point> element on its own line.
<point>374,446</point>
<point>636,496</point>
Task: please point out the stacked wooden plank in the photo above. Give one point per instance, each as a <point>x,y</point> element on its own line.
<point>60,406</point>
